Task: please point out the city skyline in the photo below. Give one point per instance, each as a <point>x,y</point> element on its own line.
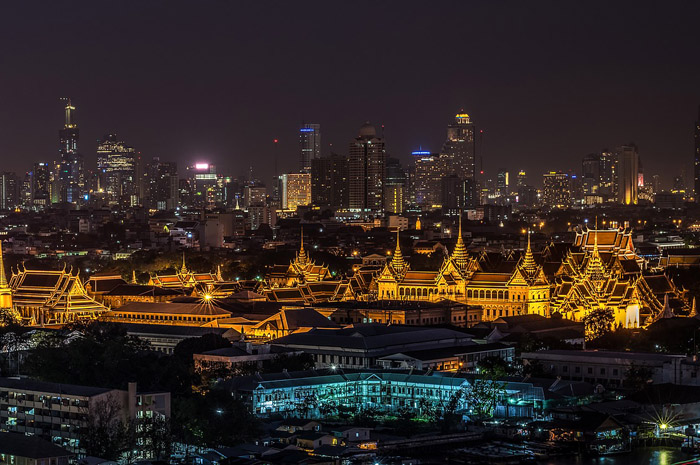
<point>516,93</point>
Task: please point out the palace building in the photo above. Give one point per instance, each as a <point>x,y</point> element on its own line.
<point>600,270</point>
<point>185,278</point>
<point>51,297</point>
<point>301,270</point>
<point>521,289</point>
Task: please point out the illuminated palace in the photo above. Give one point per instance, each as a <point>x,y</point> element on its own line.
<point>521,290</point>
<point>185,278</point>
<point>600,270</point>
<point>51,297</point>
<point>301,270</point>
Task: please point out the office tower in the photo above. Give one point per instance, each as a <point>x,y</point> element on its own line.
<point>627,174</point>
<point>116,166</point>
<point>254,196</point>
<point>8,190</point>
<point>527,196</point>
<point>329,181</point>
<point>460,148</point>
<point>367,163</point>
<point>163,183</point>
<point>309,145</point>
<point>607,184</point>
<point>25,191</point>
<point>203,185</point>
<point>696,166</point>
<point>295,190</point>
<point>502,183</point>
<point>452,194</point>
<point>656,183</point>
<point>576,189</point>
<point>556,190</point>
<point>71,175</point>
<point>395,187</point>
<point>522,179</point>
<point>591,173</point>
<point>429,169</point>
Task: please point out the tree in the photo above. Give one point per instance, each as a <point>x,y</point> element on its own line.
<point>485,392</point>
<point>598,322</point>
<point>637,377</point>
<point>105,433</point>
<point>296,362</point>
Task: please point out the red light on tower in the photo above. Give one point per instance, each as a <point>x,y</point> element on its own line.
<point>275,141</point>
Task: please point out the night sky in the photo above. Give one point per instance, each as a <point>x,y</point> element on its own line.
<point>218,80</point>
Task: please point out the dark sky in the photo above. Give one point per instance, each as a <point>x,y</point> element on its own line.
<point>219,80</point>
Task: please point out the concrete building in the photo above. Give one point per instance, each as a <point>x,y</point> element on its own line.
<point>367,171</point>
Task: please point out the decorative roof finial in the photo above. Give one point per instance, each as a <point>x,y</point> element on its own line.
<point>3,278</point>
<point>398,262</point>
<point>183,269</point>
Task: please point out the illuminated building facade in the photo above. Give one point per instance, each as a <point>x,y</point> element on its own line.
<point>367,171</point>
<point>556,190</point>
<point>204,187</point>
<point>41,185</point>
<point>71,174</point>
<point>116,165</point>
<point>309,145</point>
<point>295,190</point>
<point>429,170</point>
<point>183,278</point>
<point>627,174</point>
<point>460,149</point>
<point>8,191</point>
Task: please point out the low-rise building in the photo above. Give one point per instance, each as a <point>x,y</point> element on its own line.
<point>19,449</point>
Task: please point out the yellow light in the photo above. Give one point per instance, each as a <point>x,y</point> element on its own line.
<point>207,297</point>
<point>462,115</point>
<point>663,426</point>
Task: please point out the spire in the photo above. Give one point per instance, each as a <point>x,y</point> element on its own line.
<point>667,311</point>
<point>183,269</point>
<point>3,278</point>
<point>301,257</point>
<point>398,262</point>
<point>693,310</point>
<point>219,277</point>
<point>133,276</point>
<point>529,264</point>
<point>460,257</point>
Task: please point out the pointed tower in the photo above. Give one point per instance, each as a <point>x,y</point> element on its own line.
<point>5,291</point>
<point>529,264</point>
<point>183,268</point>
<point>667,311</point>
<point>219,277</point>
<point>460,256</point>
<point>693,311</point>
<point>133,277</point>
<point>397,262</point>
<point>302,258</point>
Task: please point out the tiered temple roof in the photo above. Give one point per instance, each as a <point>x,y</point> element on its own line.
<point>183,278</point>
<point>52,297</point>
<point>301,270</point>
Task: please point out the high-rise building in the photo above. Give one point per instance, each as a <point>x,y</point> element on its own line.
<point>452,198</point>
<point>205,189</point>
<point>163,192</point>
<point>309,145</point>
<point>116,166</point>
<point>254,196</point>
<point>395,187</point>
<point>429,170</point>
<point>8,191</point>
<point>627,174</point>
<point>367,171</point>
<point>71,175</point>
<point>522,179</point>
<point>556,190</point>
<point>329,181</point>
<point>296,190</point>
<point>591,173</point>
<point>502,183</point>
<point>696,165</point>
<point>460,148</point>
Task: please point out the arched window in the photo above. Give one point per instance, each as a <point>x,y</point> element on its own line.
<point>488,294</point>
<point>482,294</point>
<point>469,293</point>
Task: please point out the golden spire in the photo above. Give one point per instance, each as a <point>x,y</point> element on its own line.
<point>460,257</point>
<point>133,276</point>
<point>529,263</point>
<point>219,277</point>
<point>693,311</point>
<point>3,278</point>
<point>398,262</point>
<point>301,257</point>
<point>183,269</point>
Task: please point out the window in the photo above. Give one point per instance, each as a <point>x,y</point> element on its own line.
<point>590,370</point>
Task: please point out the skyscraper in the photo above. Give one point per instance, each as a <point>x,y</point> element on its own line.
<point>696,166</point>
<point>329,181</point>
<point>71,175</point>
<point>627,174</point>
<point>296,190</point>
<point>8,191</point>
<point>116,165</point>
<point>460,147</point>
<point>309,145</point>
<point>163,183</point>
<point>556,190</point>
<point>367,170</point>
